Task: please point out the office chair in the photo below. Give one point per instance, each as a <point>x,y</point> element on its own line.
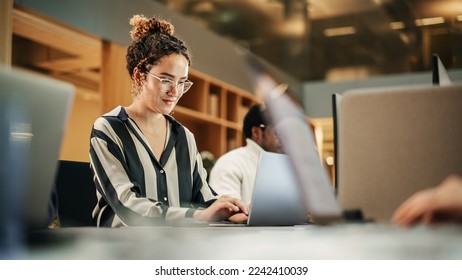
<point>76,193</point>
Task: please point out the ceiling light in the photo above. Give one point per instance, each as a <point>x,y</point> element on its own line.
<point>293,28</point>
<point>339,31</point>
<point>429,21</point>
<point>404,38</point>
<point>397,25</point>
<point>204,7</point>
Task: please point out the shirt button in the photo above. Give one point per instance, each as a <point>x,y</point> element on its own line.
<point>165,198</point>
<point>162,171</point>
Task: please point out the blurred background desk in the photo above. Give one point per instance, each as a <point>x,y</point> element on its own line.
<point>348,241</point>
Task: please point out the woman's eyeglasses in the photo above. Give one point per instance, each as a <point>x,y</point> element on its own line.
<point>166,85</point>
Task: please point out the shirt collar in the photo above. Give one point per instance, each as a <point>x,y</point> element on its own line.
<point>253,146</point>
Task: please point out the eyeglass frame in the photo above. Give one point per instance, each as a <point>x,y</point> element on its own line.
<point>163,81</point>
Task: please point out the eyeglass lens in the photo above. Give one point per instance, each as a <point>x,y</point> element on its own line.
<point>168,85</point>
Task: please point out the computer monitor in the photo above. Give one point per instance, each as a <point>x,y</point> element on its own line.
<point>439,74</point>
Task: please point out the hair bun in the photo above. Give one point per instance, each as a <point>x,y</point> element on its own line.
<point>143,26</point>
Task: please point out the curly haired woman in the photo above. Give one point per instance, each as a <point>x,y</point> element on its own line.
<point>147,167</point>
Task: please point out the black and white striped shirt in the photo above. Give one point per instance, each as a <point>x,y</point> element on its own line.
<point>133,186</point>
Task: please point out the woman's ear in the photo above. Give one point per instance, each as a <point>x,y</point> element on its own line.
<point>138,77</point>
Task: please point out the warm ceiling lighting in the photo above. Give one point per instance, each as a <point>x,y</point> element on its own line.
<point>397,25</point>
<point>404,38</point>
<point>339,31</point>
<point>429,21</point>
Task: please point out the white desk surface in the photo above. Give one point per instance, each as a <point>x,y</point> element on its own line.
<point>335,242</point>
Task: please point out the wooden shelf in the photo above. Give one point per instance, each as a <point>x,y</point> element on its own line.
<point>182,113</point>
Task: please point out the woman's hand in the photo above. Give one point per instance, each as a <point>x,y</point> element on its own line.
<point>240,218</point>
<point>224,208</point>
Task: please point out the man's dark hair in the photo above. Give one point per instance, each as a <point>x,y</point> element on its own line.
<point>256,116</point>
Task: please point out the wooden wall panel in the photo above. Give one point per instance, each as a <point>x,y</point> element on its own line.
<point>115,82</point>
<point>6,10</point>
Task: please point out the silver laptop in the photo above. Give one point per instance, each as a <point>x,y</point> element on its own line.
<point>33,114</point>
<point>276,199</point>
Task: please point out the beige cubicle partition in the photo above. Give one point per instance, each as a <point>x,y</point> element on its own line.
<point>395,141</point>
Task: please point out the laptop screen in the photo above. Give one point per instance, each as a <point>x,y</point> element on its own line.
<point>276,197</point>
